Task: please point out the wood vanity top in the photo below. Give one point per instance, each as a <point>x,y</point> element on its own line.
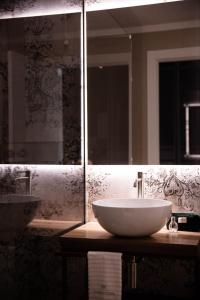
<point>92,237</point>
<point>50,227</point>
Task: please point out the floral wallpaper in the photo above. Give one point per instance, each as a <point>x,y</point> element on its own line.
<point>60,188</point>
<point>179,184</point>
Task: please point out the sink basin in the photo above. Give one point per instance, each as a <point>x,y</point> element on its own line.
<point>132,217</point>
<point>16,212</point>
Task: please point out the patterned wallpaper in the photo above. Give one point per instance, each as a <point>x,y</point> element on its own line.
<point>60,188</point>
<point>179,184</point>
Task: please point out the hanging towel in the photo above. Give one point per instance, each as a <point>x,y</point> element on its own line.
<point>104,275</point>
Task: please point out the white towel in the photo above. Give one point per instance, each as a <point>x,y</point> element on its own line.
<point>104,275</point>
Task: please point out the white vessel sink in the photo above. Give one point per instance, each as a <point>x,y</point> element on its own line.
<point>132,217</point>
<point>16,212</point>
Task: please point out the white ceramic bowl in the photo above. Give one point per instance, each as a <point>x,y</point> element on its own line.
<point>16,212</point>
<point>132,217</point>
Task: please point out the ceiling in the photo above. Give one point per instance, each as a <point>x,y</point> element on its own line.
<point>132,18</point>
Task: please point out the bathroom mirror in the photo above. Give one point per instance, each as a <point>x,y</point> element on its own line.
<point>40,88</point>
<point>144,84</point>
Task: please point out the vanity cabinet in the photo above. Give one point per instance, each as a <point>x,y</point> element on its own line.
<point>167,265</point>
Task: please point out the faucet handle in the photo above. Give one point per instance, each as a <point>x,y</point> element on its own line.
<point>140,174</point>
<point>135,183</point>
<point>139,178</point>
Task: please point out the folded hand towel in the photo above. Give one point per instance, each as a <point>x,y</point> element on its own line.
<point>104,275</point>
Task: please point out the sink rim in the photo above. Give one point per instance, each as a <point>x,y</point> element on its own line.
<point>131,203</point>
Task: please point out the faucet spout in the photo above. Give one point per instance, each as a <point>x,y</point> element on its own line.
<point>27,178</point>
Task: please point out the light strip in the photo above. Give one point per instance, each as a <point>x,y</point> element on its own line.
<point>50,7</point>
<point>84,133</point>
<point>84,129</point>
<point>85,90</point>
<point>82,88</point>
<point>111,4</point>
<point>38,13</point>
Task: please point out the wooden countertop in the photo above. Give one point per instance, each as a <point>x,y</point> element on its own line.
<point>92,237</point>
<point>50,227</point>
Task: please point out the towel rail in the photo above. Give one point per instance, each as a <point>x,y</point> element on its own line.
<point>129,270</point>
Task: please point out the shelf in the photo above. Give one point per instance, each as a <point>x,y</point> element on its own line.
<point>50,228</point>
<point>92,237</point>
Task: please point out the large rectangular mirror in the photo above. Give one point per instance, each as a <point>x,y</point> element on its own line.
<point>40,89</point>
<point>144,84</point>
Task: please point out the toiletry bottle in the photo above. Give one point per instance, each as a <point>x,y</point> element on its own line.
<point>173,225</point>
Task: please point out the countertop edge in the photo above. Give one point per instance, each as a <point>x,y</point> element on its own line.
<point>92,237</point>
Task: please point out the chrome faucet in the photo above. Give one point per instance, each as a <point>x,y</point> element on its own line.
<point>27,178</point>
<point>139,183</point>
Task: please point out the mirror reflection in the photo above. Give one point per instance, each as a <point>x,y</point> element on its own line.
<point>40,113</point>
<point>144,84</point>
